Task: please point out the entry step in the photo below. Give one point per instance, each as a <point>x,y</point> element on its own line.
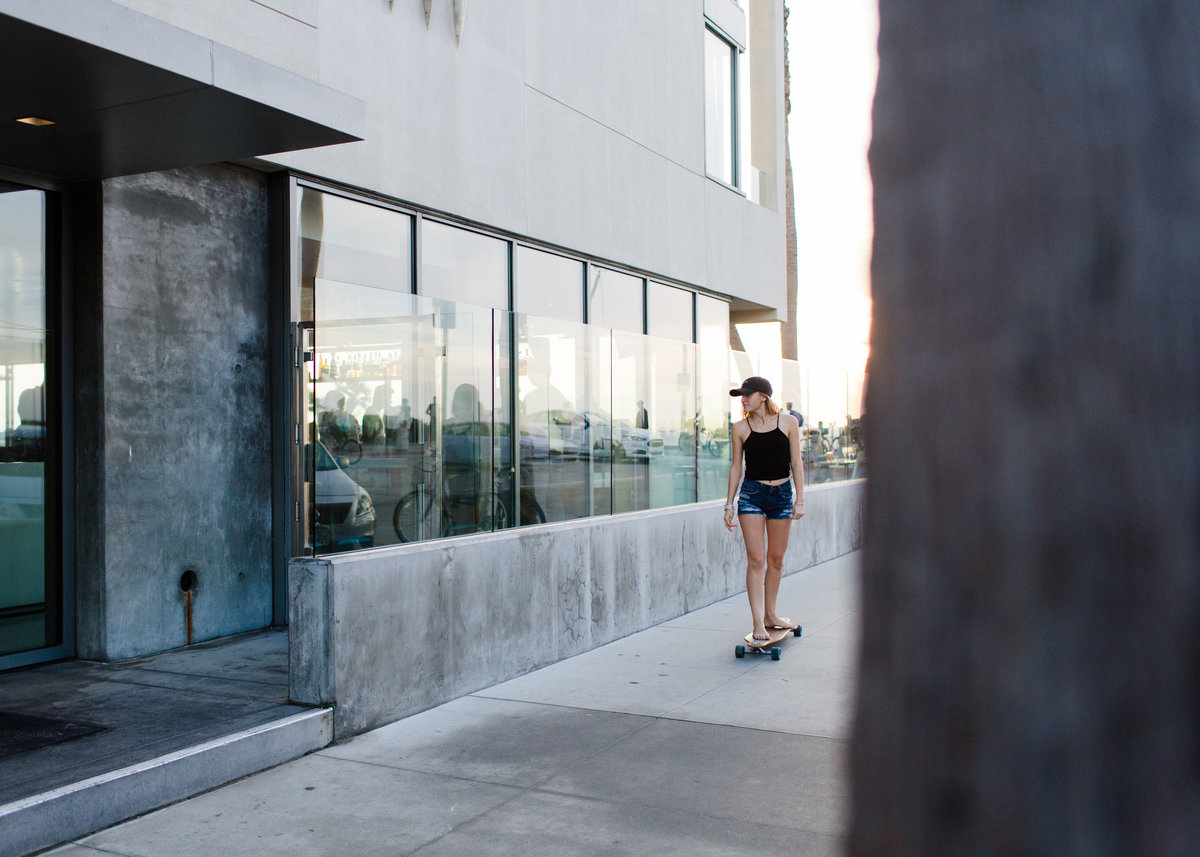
<point>66,813</point>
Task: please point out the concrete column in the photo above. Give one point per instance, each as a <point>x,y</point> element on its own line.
<point>176,426</point>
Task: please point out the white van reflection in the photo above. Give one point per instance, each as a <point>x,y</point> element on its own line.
<point>345,513</point>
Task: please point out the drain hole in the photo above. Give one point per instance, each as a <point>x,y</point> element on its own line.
<point>188,581</point>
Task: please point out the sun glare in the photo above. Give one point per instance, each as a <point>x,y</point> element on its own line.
<point>834,63</point>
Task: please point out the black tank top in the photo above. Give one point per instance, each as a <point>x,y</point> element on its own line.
<point>768,454</point>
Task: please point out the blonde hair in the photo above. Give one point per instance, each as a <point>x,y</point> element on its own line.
<point>769,404</point>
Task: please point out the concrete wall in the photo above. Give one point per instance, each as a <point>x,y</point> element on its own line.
<point>179,424</point>
<point>386,633</point>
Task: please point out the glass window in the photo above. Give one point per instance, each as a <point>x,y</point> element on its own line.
<point>713,403</point>
<point>549,285</point>
<point>400,390</point>
<point>352,242</point>
<point>632,443</point>
<point>719,119</point>
<point>671,422</point>
<point>416,407</point>
<point>565,429</point>
<point>463,266</point>
<point>669,312</point>
<point>615,300</point>
<point>27,586</point>
<point>403,415</point>
<point>653,422</point>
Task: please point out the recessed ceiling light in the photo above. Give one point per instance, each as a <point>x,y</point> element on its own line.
<point>35,120</point>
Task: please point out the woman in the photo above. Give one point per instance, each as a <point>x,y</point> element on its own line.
<point>769,439</point>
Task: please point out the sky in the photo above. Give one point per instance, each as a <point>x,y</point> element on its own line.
<point>832,53</point>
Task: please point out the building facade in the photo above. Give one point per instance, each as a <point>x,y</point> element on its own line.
<point>298,278</point>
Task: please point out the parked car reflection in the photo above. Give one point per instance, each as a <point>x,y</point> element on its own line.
<point>575,433</point>
<point>345,514</point>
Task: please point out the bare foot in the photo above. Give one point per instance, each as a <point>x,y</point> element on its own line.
<point>781,624</point>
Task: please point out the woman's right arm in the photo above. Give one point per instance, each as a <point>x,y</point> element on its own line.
<point>735,473</point>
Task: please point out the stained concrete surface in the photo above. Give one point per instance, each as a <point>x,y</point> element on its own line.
<point>179,432</point>
<point>148,707</point>
<point>504,604</point>
<point>659,743</point>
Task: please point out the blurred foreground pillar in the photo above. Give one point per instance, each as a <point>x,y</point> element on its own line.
<point>1030,679</point>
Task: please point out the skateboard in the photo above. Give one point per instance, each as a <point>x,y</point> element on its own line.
<point>768,647</point>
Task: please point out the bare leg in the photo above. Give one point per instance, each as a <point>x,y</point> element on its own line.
<point>778,533</point>
<point>754,532</point>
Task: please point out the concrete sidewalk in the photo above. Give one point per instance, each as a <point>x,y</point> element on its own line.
<point>660,743</point>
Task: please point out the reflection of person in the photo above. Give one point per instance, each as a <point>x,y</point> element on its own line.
<point>28,439</point>
<point>540,395</point>
<point>335,422</point>
<point>769,441</point>
<point>344,420</point>
<point>373,420</point>
<point>643,417</point>
<point>430,426</point>
<point>799,417</point>
<point>461,455</point>
<point>464,407</point>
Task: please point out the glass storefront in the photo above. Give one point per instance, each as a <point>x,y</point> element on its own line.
<point>425,417</point>
<point>30,583</point>
<point>403,426</point>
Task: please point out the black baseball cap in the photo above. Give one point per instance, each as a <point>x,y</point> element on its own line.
<point>753,384</point>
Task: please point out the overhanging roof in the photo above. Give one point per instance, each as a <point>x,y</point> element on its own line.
<point>129,93</point>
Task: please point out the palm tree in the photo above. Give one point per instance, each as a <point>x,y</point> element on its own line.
<point>788,333</point>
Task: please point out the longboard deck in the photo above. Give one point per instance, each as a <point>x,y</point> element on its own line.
<point>767,647</point>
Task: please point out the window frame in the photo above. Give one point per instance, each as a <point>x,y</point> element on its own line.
<point>286,187</point>
<point>734,143</point>
<point>59,474</point>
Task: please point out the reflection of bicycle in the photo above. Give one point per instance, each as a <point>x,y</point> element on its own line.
<point>348,449</point>
<point>460,513</point>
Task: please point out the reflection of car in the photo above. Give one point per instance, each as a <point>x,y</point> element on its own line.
<point>535,443</point>
<point>576,432</point>
<point>677,440</point>
<point>345,514</point>
<point>560,433</point>
<point>633,442</point>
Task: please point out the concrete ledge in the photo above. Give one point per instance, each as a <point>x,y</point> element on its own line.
<point>66,813</point>
<point>385,633</point>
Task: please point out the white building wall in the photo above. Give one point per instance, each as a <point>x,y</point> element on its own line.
<point>575,122</point>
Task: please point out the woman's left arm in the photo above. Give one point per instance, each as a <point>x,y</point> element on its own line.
<point>797,467</point>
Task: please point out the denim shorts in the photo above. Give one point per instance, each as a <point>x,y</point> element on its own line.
<point>759,498</point>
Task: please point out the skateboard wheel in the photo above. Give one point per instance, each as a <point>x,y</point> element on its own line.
<point>775,654</point>
<point>796,633</point>
<point>739,651</point>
